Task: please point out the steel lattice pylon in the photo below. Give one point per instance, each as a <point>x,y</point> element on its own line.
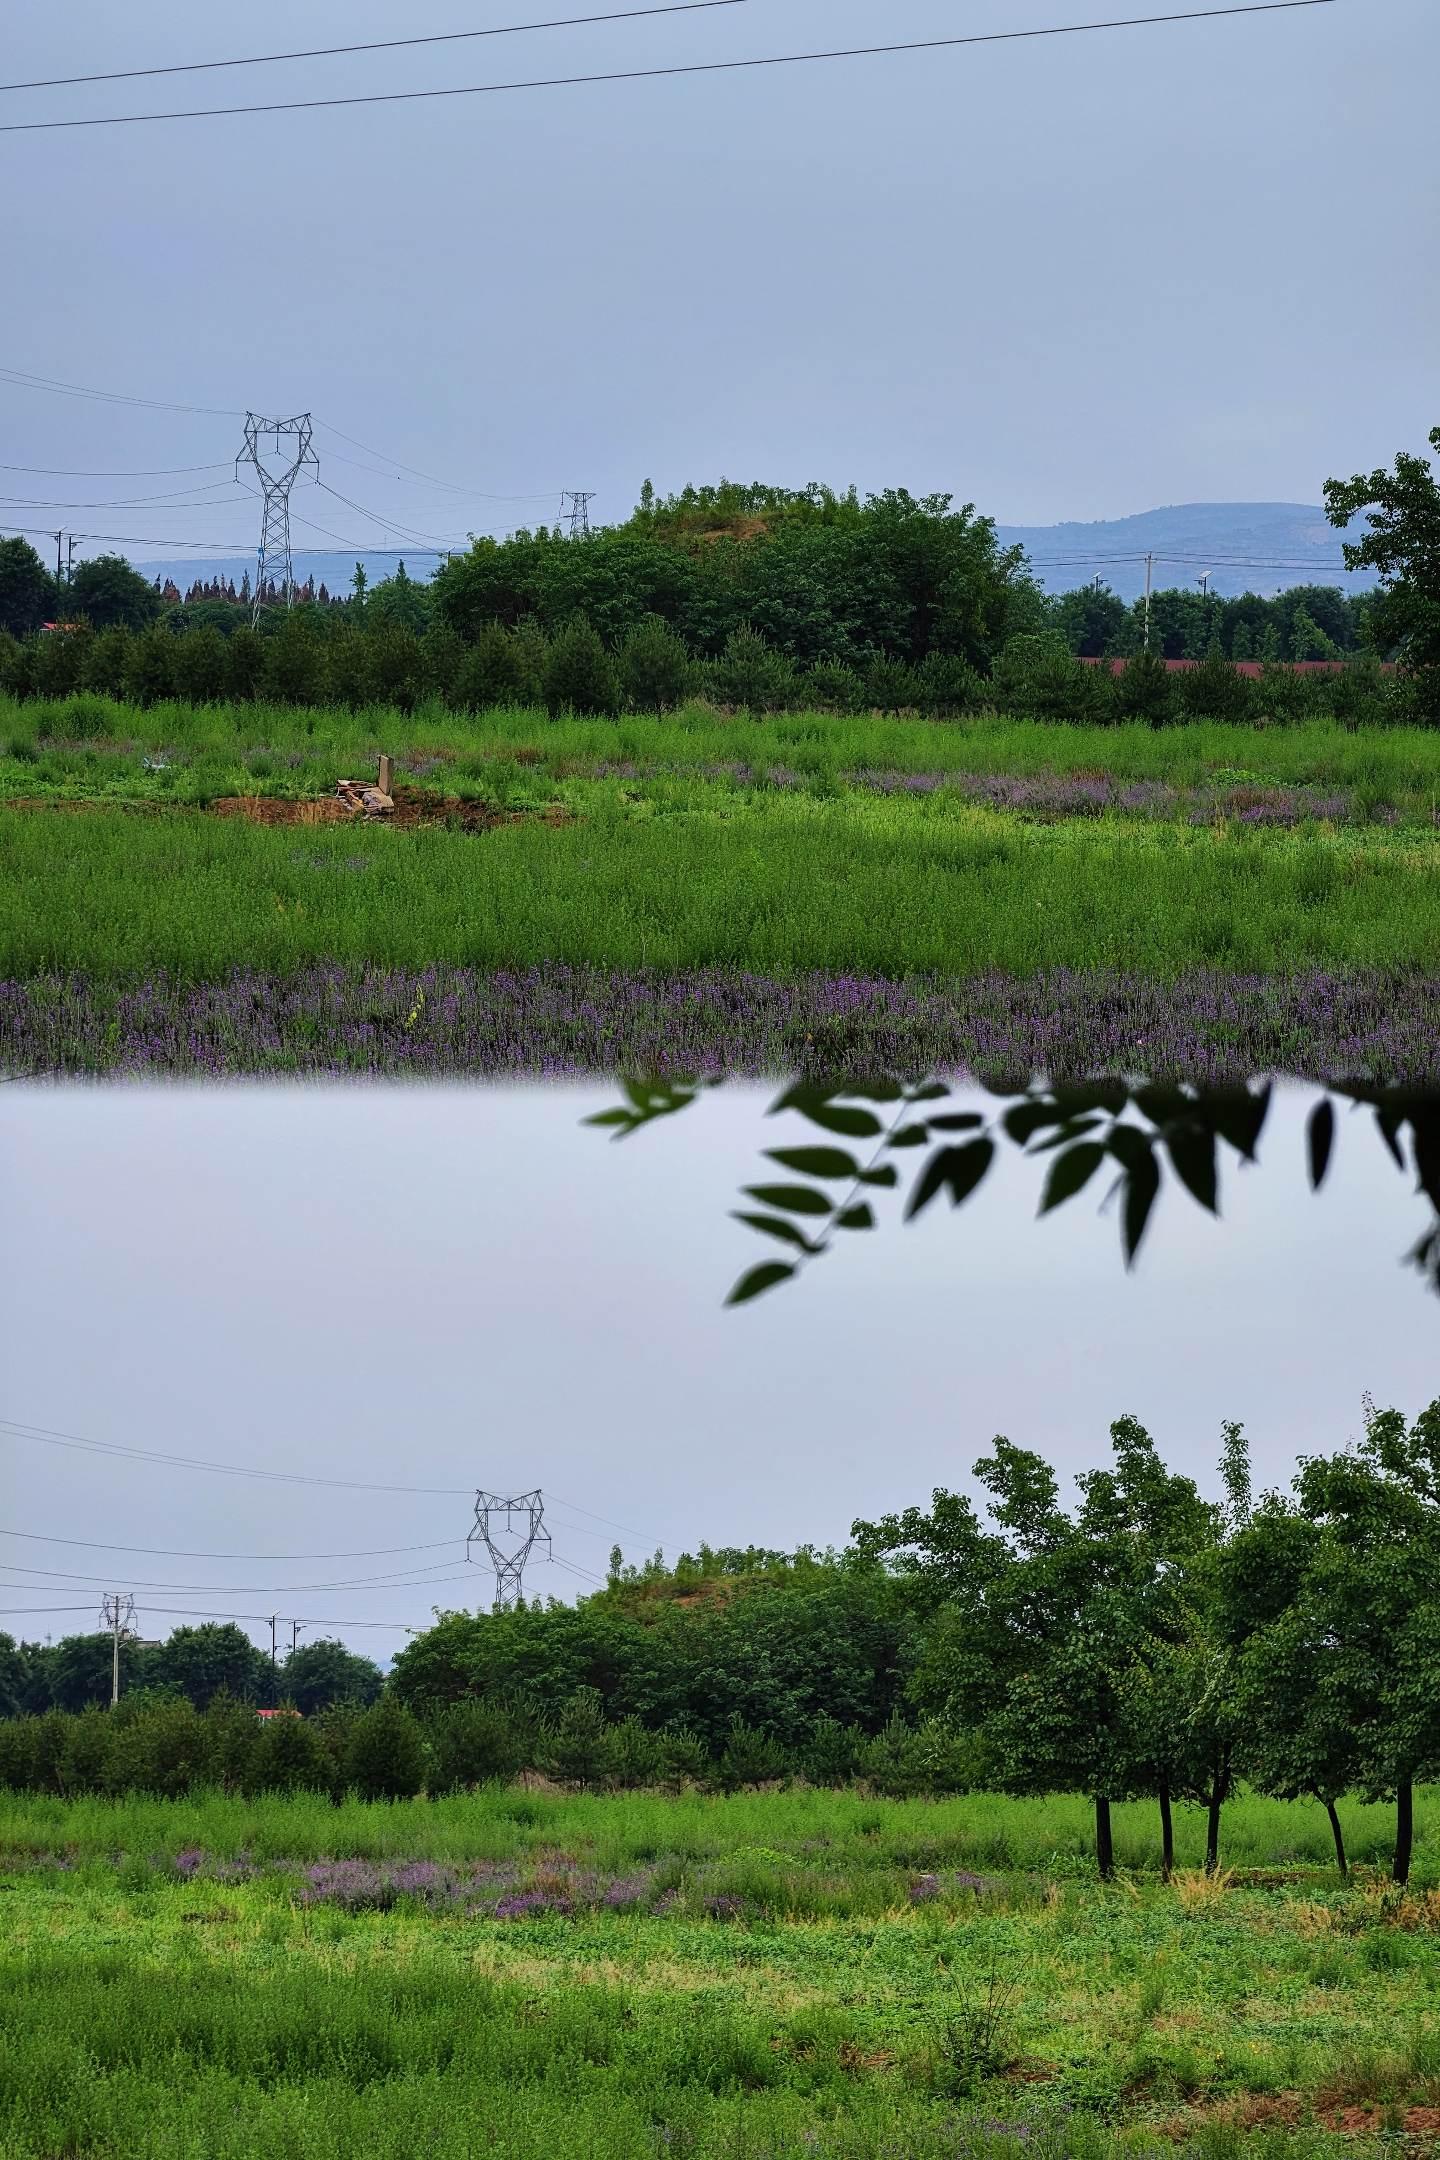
<point>518,1519</point>
<point>291,440</point>
<point>579,500</point>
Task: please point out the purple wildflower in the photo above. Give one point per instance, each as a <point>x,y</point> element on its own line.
<point>530,1904</point>
<point>1211,1026</point>
<point>925,1888</point>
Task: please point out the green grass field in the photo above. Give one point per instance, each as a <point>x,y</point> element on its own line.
<point>794,843</point>
<point>217,750</point>
<point>778,1974</point>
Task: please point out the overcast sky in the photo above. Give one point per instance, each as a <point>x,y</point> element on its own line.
<point>455,1288</point>
<point>1068,279</point>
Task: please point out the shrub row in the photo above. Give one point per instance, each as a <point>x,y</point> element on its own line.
<point>167,1748</point>
<point>304,661</point>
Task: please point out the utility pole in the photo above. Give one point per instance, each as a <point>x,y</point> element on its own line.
<point>117,1613</point>
<point>579,501</point>
<point>58,538</point>
<point>509,1526</point>
<point>1149,581</point>
<point>290,451</point>
<point>69,558</point>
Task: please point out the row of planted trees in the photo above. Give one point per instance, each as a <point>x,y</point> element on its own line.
<point>1151,1642</point>
<point>306,660</point>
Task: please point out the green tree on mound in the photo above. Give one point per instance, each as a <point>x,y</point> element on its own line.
<point>385,1754</point>
<point>579,674</point>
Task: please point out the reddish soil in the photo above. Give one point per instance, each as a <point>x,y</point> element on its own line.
<point>1418,2126</point>
<point>413,806</point>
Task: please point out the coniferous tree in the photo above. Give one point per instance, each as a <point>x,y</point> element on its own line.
<point>579,674</point>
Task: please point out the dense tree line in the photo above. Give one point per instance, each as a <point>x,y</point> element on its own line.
<point>196,1663</point>
<point>309,658</point>
<point>1144,1642</point>
<point>758,598</point>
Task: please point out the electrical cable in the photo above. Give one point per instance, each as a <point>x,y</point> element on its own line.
<point>338,457</point>
<point>170,1552</point>
<point>22,379</point>
<point>693,67</point>
<point>390,524</point>
<point>399,1579</point>
<point>175,500</point>
<point>143,472</point>
<point>330,52</point>
<point>49,1436</point>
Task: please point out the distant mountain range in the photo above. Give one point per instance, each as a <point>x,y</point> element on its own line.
<point>1248,547</point>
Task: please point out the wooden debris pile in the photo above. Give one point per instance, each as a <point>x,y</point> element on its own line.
<point>366,800</point>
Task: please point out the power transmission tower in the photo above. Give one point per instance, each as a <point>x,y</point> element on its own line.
<point>579,501</point>
<point>509,1526</point>
<point>117,1613</point>
<point>290,451</point>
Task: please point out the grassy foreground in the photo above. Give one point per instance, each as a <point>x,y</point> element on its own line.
<point>772,1975</point>
<point>854,885</point>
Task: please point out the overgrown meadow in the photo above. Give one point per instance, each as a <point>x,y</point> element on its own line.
<point>787,1973</point>
<point>710,889</point>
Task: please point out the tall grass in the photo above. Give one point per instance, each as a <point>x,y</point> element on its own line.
<point>858,1834</point>
<point>859,885</point>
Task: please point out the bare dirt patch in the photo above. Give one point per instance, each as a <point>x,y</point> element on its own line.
<point>413,807</point>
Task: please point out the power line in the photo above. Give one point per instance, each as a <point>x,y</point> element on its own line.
<point>400,1579</point>
<point>330,52</point>
<point>48,1436</point>
<point>143,472</point>
<point>174,499</point>
<point>169,1552</point>
<point>51,1438</point>
<point>338,457</point>
<point>21,379</point>
<point>694,67</point>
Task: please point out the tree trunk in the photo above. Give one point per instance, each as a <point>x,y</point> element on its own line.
<point>1167,1834</point>
<point>1339,1837</point>
<point>1104,1839</point>
<point>1220,1785</point>
<point>1404,1829</point>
